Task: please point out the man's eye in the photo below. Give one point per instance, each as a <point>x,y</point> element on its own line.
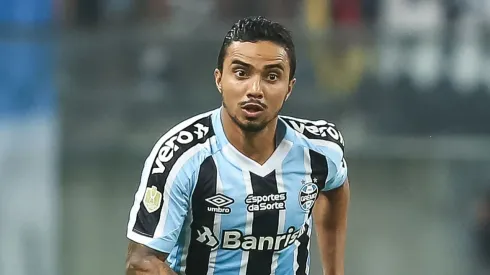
<point>240,73</point>
<point>272,77</point>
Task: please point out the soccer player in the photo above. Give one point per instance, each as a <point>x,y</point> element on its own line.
<point>233,191</point>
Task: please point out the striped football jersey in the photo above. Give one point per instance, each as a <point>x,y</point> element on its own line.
<point>216,211</point>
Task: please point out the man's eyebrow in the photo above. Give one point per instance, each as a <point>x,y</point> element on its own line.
<point>241,63</point>
<point>279,66</point>
<point>275,66</point>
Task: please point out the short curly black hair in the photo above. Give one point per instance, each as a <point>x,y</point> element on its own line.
<point>259,28</point>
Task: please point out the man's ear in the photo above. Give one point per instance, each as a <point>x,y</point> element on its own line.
<point>290,88</point>
<point>217,79</point>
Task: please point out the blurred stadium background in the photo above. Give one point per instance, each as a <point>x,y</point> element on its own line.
<point>87,87</point>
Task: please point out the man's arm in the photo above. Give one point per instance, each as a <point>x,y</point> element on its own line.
<point>142,260</point>
<point>330,217</point>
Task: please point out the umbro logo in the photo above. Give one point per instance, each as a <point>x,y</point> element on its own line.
<point>220,200</point>
<point>219,204</point>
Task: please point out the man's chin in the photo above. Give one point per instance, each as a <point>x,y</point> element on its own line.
<point>251,125</point>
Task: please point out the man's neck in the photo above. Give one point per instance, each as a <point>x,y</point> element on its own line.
<point>258,146</point>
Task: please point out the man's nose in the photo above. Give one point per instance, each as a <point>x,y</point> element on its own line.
<point>256,90</point>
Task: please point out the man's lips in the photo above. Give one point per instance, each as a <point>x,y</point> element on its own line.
<point>253,107</point>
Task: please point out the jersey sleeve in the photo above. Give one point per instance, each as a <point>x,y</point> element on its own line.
<point>332,146</point>
<point>337,167</point>
<point>163,198</point>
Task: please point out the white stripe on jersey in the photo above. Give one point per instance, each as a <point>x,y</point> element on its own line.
<point>171,178</point>
<point>149,163</point>
<point>187,242</point>
<point>248,226</point>
<point>295,264</point>
<point>217,221</point>
<point>282,218</point>
<point>308,247</point>
<point>308,170</point>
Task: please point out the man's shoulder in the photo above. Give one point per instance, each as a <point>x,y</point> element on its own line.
<point>189,137</point>
<point>198,126</point>
<point>315,131</point>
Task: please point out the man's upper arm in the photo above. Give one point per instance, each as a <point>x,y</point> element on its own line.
<point>162,200</point>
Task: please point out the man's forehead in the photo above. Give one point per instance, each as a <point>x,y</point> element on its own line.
<point>264,51</point>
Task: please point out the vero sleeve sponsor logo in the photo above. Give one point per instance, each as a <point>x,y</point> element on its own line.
<point>172,145</point>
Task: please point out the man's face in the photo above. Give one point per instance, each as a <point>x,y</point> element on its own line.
<point>254,83</point>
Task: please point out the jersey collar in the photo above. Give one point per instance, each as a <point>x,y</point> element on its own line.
<point>242,161</point>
